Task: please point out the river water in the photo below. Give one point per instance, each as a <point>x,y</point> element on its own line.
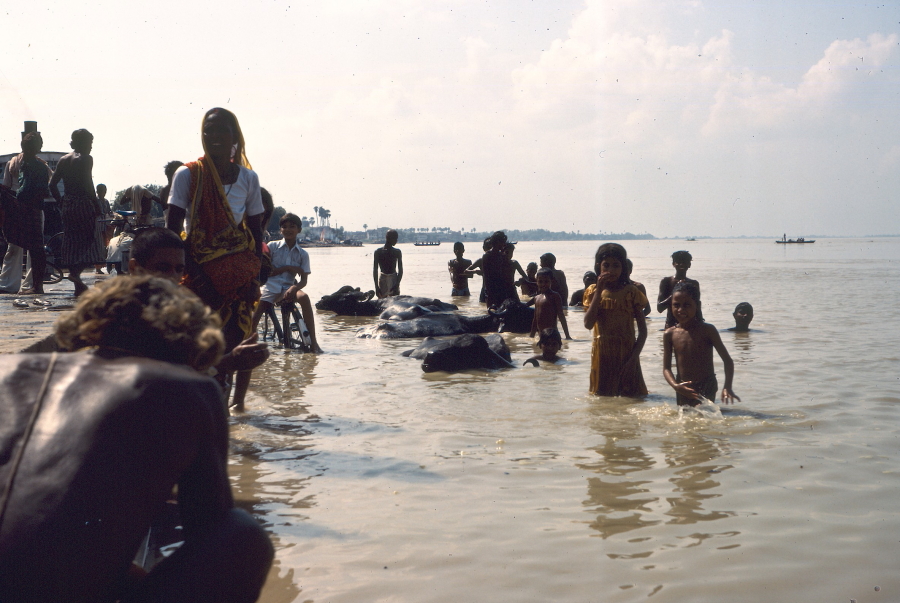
<point>378,482</point>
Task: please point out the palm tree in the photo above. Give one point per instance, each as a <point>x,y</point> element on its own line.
<point>326,213</point>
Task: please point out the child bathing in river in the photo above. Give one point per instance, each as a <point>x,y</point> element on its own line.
<point>693,341</point>
<point>550,343</point>
<point>548,306</point>
<point>614,306</point>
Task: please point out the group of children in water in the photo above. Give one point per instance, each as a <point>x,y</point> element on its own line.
<point>615,311</point>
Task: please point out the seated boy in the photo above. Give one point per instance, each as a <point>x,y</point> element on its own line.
<point>124,421</point>
<point>288,261</point>
<point>743,316</point>
<point>459,278</point>
<point>589,278</point>
<point>693,341</point>
<point>550,343</point>
<point>548,306</point>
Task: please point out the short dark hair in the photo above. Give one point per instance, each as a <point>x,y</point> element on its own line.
<point>31,138</point>
<point>147,241</point>
<point>545,272</point>
<point>170,168</point>
<point>549,259</point>
<point>391,233</point>
<point>498,240</point>
<point>744,306</point>
<point>80,138</point>
<point>457,245</point>
<point>530,264</point>
<point>682,255</point>
<point>291,218</point>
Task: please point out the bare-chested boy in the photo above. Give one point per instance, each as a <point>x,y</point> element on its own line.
<point>389,261</point>
<point>681,260</point>
<point>693,341</point>
<point>459,278</point>
<point>548,305</point>
<point>558,277</point>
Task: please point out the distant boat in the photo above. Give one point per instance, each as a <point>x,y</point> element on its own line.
<point>427,243</point>
<point>799,241</point>
<point>690,239</point>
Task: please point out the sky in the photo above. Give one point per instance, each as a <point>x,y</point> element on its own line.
<point>682,118</point>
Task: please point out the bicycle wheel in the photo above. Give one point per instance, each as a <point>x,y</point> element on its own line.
<point>52,274</point>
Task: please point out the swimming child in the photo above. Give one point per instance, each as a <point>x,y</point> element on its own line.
<point>548,306</point>
<point>389,261</point>
<point>693,341</point>
<point>681,260</point>
<point>550,343</point>
<point>614,306</point>
<point>459,278</point>
<point>589,278</point>
<point>629,267</point>
<point>528,285</point>
<point>743,315</point>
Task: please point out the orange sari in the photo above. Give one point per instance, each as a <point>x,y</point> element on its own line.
<point>222,262</point>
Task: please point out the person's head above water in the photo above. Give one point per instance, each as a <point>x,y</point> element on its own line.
<point>144,316</point>
<point>611,258</point>
<point>589,278</point>
<point>531,268</point>
<point>157,252</point>
<point>686,302</point>
<point>82,141</point>
<point>550,341</point>
<point>743,315</point>
<point>544,279</point>
<point>548,260</point>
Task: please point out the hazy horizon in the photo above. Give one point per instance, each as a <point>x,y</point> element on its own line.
<point>622,116</point>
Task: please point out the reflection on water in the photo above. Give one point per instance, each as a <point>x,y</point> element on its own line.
<point>646,480</point>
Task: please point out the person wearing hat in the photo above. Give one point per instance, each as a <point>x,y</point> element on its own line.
<point>289,261</point>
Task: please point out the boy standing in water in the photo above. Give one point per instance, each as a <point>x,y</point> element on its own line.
<point>681,260</point>
<point>693,341</point>
<point>548,306</point>
<point>557,277</point>
<point>459,278</point>
<point>389,261</point>
<point>527,284</point>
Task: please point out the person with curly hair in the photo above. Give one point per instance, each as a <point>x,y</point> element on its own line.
<point>97,439</point>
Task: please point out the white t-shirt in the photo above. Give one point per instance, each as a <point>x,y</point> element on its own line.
<point>282,255</point>
<point>243,196</point>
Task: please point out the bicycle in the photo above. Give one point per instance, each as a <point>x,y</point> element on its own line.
<point>290,315</point>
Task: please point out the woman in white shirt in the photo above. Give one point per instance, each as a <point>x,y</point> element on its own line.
<point>217,201</point>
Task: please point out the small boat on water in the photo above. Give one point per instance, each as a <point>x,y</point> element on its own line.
<point>799,241</point>
<point>427,243</point>
<point>690,239</point>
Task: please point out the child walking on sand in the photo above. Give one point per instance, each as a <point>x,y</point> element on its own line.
<point>614,306</point>
<point>693,341</point>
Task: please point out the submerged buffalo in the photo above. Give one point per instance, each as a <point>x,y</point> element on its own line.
<point>513,316</point>
<point>469,351</point>
<point>349,301</point>
<point>431,324</point>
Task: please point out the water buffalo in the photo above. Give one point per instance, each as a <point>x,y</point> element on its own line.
<point>514,316</point>
<point>348,301</point>
<point>468,351</point>
<point>431,324</point>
